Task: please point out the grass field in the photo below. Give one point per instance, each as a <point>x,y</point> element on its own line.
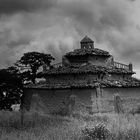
<point>45,127</point>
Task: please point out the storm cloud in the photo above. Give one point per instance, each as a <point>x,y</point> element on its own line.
<point>57,26</point>
<point>14,6</point>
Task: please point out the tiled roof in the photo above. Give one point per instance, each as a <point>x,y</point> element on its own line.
<point>86,69</point>
<point>86,39</point>
<point>132,82</point>
<point>88,51</point>
<point>85,84</point>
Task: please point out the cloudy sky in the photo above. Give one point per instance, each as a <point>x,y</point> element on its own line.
<point>57,26</point>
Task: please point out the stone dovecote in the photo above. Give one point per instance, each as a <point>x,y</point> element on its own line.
<point>87,65</point>
<point>79,73</point>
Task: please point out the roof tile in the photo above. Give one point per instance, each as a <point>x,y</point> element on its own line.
<point>86,39</point>
<point>132,82</point>
<point>88,51</point>
<point>73,69</point>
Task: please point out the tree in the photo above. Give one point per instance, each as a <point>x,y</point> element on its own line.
<point>30,62</point>
<point>11,87</point>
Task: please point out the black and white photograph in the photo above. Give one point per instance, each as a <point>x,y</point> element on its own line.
<point>69,69</point>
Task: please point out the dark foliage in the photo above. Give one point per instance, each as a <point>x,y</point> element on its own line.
<point>30,63</point>
<point>11,87</point>
<point>98,132</point>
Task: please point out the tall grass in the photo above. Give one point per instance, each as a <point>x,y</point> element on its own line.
<point>37,127</point>
<point>46,127</point>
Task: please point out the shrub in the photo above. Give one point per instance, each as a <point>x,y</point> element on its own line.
<point>98,132</point>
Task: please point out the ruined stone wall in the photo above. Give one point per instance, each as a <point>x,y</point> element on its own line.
<point>78,59</point>
<point>127,76</point>
<point>72,78</point>
<point>97,60</point>
<point>123,91</point>
<point>116,77</point>
<point>130,97</point>
<point>120,76</point>
<point>52,100</point>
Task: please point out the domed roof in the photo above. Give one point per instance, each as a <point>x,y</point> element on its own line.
<point>86,39</point>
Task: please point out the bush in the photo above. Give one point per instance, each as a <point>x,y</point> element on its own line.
<point>98,132</point>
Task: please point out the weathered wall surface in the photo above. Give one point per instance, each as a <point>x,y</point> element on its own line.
<point>97,60</point>
<point>116,77</point>
<point>130,97</point>
<point>52,100</point>
<point>124,92</point>
<point>119,76</point>
<point>78,59</point>
<point>69,78</point>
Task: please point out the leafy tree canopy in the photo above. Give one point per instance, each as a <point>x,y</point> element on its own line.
<point>10,87</point>
<point>30,62</point>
